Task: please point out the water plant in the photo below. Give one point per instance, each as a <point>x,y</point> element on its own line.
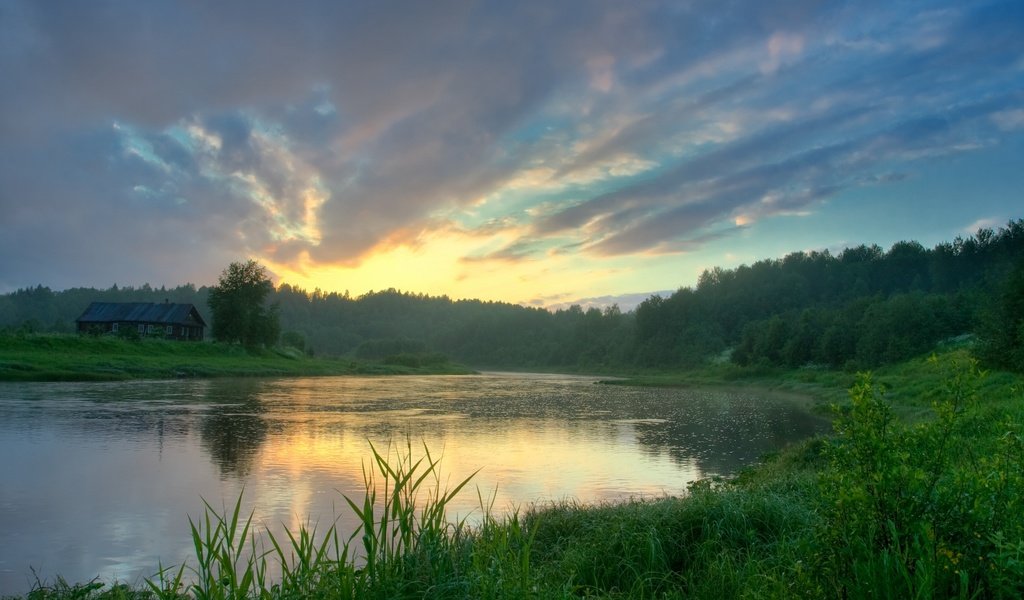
<point>403,546</point>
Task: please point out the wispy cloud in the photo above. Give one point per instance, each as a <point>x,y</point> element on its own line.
<point>159,140</point>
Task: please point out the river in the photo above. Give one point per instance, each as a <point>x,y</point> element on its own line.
<point>99,479</point>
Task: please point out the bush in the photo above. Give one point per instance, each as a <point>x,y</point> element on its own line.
<point>129,332</point>
<point>1002,329</point>
<point>294,339</point>
<point>425,359</point>
<point>909,512</point>
<point>381,349</point>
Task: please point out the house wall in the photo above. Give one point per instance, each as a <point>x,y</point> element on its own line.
<point>179,332</point>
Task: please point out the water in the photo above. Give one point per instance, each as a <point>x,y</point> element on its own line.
<point>98,479</point>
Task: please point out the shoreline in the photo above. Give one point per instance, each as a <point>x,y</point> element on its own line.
<point>69,357</point>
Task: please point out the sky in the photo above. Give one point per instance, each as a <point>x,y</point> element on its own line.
<point>535,152</point>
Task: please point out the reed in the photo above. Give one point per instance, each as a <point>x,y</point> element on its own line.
<point>404,543</point>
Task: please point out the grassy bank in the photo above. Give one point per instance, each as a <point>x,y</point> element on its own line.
<point>42,357</point>
<point>912,386</point>
<point>919,494</point>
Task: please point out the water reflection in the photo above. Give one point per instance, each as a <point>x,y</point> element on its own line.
<point>233,427</point>
<point>99,478</point>
<point>723,432</point>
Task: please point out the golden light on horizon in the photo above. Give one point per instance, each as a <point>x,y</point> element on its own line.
<point>434,270</point>
<point>435,264</point>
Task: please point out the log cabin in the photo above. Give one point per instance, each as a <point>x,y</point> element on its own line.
<point>167,320</point>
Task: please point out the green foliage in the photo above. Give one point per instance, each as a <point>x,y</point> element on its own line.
<point>415,360</point>
<point>406,537</point>
<point>718,542</point>
<point>129,333</point>
<point>404,547</point>
<point>867,332</point>
<point>1002,329</point>
<point>381,349</point>
<point>220,545</point>
<point>294,339</point>
<point>238,306</point>
<point>903,326</point>
<point>93,590</point>
<point>921,511</point>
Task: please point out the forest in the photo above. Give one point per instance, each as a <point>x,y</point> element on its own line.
<point>857,309</point>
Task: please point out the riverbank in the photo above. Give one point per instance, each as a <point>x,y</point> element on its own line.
<point>43,357</point>
<point>912,386</point>
<point>918,494</point>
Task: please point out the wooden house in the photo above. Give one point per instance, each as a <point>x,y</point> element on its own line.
<point>168,320</point>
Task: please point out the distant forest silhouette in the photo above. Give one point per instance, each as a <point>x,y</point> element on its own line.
<point>859,308</point>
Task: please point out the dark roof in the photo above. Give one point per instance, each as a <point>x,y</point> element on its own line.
<point>141,312</point>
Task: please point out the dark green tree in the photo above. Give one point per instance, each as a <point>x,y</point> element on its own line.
<point>238,304</point>
<point>1001,335</point>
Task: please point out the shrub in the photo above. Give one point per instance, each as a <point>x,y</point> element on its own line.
<point>908,507</point>
<point>383,348</point>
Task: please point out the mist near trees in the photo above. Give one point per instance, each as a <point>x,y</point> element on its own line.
<point>856,309</point>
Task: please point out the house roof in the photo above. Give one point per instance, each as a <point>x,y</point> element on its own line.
<point>141,312</point>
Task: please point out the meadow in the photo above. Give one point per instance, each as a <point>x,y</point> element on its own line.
<point>69,357</point>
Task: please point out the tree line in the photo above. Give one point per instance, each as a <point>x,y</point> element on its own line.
<point>859,308</point>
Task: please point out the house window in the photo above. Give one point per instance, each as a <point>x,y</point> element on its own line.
<point>169,330</point>
<point>142,329</point>
<point>149,329</point>
<point>113,328</point>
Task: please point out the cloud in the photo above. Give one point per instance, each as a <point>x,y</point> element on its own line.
<point>1010,119</point>
<point>625,302</point>
<point>72,227</point>
<point>698,191</point>
<point>521,250</point>
<point>138,140</point>
<point>983,223</point>
<point>782,48</point>
<point>781,169</point>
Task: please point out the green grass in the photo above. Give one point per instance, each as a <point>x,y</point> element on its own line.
<point>919,494</point>
<point>41,357</point>
<point>913,385</point>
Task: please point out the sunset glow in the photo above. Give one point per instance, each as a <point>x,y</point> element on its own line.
<point>539,155</point>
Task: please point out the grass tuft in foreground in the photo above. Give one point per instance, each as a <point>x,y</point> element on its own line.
<point>405,546</point>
